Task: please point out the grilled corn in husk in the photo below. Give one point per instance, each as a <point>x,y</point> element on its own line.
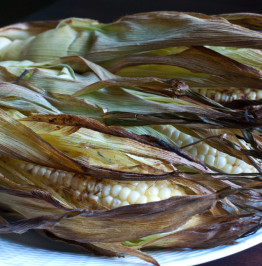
<point>142,133</point>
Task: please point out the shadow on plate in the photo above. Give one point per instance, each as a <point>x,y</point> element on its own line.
<point>35,240</point>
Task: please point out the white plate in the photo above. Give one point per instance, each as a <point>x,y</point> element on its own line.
<point>31,249</point>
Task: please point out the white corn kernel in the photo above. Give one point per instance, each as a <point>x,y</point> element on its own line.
<point>259,94</point>
<point>218,96</point>
<point>168,131</point>
<point>176,192</point>
<point>179,143</point>
<point>252,95</point>
<point>124,193</point>
<point>183,137</point>
<point>212,151</point>
<point>220,162</point>
<point>236,170</point>
<point>68,179</point>
<point>106,190</point>
<point>142,187</point>
<point>210,160</point>
<point>227,168</point>
<point>124,203</point>
<point>94,197</point>
<point>35,170</point>
<point>48,173</point>
<point>54,177</point>
<point>188,141</point>
<point>201,157</point>
<point>75,183</point>
<point>107,200</point>
<point>133,197</point>
<point>247,170</point>
<point>202,149</point>
<point>194,152</point>
<point>60,180</point>
<point>153,198</point>
<point>231,159</point>
<point>152,191</point>
<point>165,193</point>
<point>142,200</point>
<point>29,166</point>
<point>115,190</point>
<point>175,134</point>
<point>82,185</point>
<point>116,203</point>
<point>91,186</point>
<point>234,97</point>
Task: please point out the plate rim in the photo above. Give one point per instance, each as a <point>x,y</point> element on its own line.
<point>194,257</point>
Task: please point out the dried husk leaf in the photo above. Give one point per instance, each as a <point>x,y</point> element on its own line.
<point>246,56</point>
<point>165,30</point>
<point>102,42</point>
<point>38,151</point>
<point>129,251</point>
<point>23,99</point>
<point>26,29</point>
<point>206,232</point>
<point>30,143</point>
<point>225,71</point>
<point>42,211</point>
<point>54,217</point>
<point>88,139</point>
<point>95,249</point>
<point>247,20</point>
<point>151,85</point>
<point>187,107</point>
<point>108,225</point>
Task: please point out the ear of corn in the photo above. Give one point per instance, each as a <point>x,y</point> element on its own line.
<point>150,31</point>
<point>91,152</point>
<point>82,98</point>
<point>206,153</point>
<point>80,190</point>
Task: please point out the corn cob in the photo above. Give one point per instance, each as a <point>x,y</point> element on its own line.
<point>112,194</point>
<point>109,194</point>
<point>224,95</point>
<point>207,154</point>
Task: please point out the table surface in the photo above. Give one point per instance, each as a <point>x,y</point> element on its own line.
<point>106,11</point>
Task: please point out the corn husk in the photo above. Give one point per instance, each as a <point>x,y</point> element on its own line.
<point>122,101</point>
<point>150,31</point>
<point>99,94</point>
<point>64,220</point>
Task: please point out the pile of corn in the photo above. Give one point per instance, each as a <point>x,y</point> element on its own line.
<point>135,134</point>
